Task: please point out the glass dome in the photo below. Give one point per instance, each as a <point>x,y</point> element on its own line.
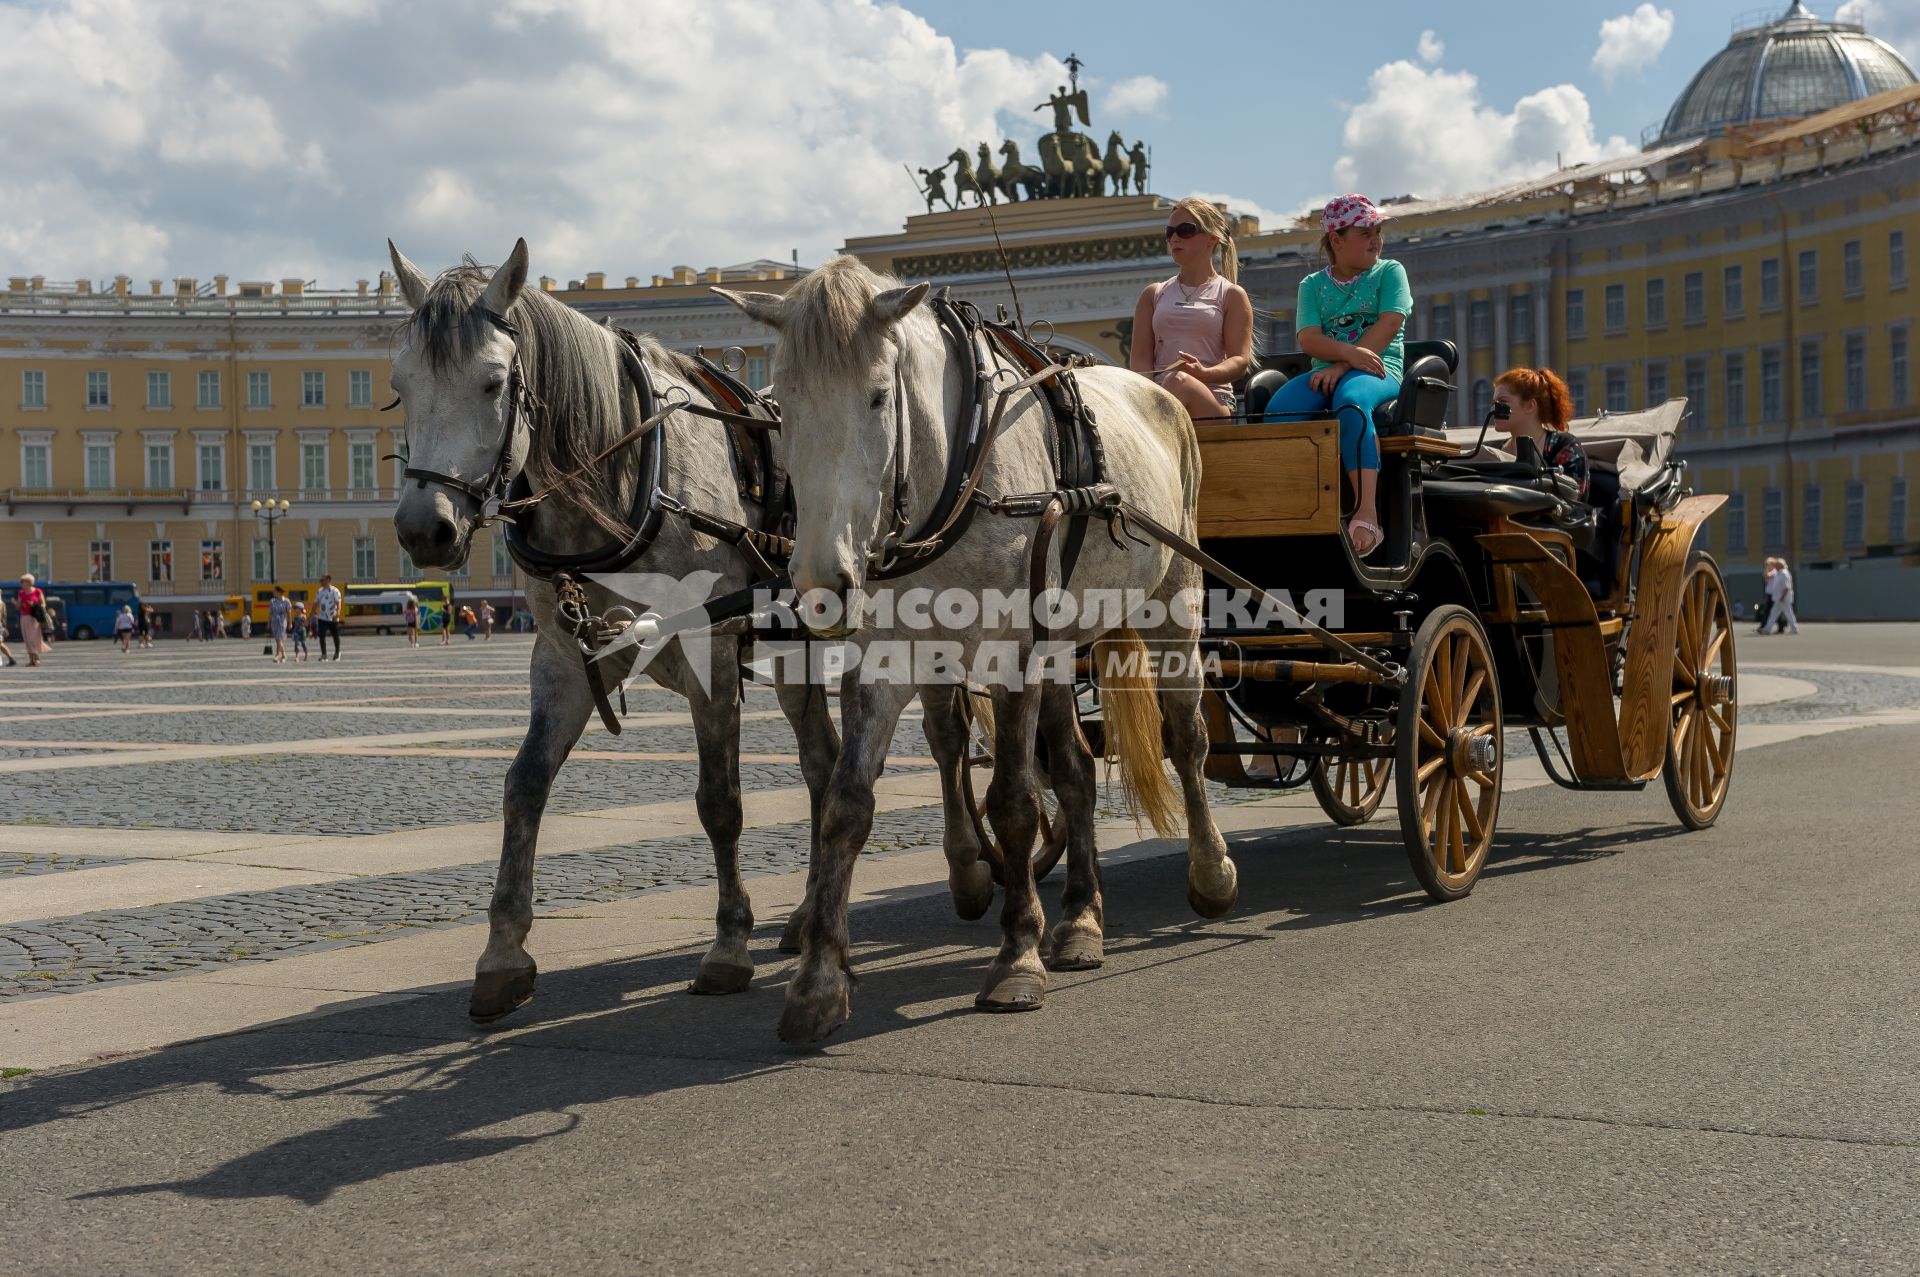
<point>1795,65</point>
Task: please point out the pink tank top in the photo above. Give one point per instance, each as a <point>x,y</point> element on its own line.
<point>1193,320</point>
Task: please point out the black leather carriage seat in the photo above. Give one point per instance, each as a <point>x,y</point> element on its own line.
<point>1450,499</point>
<point>1426,387</point>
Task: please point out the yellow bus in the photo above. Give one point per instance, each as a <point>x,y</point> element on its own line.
<point>378,608</point>
<point>298,591</point>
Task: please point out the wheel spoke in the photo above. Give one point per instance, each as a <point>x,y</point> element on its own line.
<point>1714,645</point>
<point>1468,814</point>
<point>1462,659</point>
<point>1429,767</point>
<point>1456,848</point>
<point>1439,680</point>
<point>1428,736</point>
<point>1717,719</point>
<point>1352,771</point>
<point>1471,695</point>
<point>1680,727</point>
<point>1429,806</point>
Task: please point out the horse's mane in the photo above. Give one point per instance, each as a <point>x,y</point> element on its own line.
<point>824,325</point>
<point>572,370</point>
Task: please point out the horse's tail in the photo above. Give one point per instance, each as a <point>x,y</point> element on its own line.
<point>1130,700</point>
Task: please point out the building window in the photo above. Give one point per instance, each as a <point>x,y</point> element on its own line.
<point>1482,400</point>
<point>97,390</point>
<point>1733,292</point>
<point>159,466</point>
<point>1852,278</point>
<point>160,560</point>
<point>1773,403</point>
<point>1480,323</point>
<point>360,470</point>
<point>99,560</point>
<point>159,390</point>
<point>1773,519</point>
<point>259,390</point>
<point>260,467</point>
<point>1736,390</point>
<point>1577,388</point>
<point>213,561</point>
<point>33,388</point>
<point>1693,293</point>
<point>36,465</point>
<point>209,393</point>
<point>213,465</point>
<point>1656,303</point>
<point>1770,284</point>
<point>262,559</point>
<point>313,557</point>
<point>1811,401</point>
<point>1853,530</point>
<point>1897,511</point>
<point>1282,340</point>
<point>1696,387</point>
<point>1616,390</point>
<point>1520,318</point>
<point>313,467</point>
<point>1897,365</point>
<point>40,559</point>
<point>502,560</point>
<point>313,389</point>
<point>1809,276</point>
<point>1656,384</point>
<point>1736,523</point>
<point>1810,519</point>
<point>365,566</point>
<point>360,388</point>
<point>99,465</point>
<point>1442,313</point>
<point>1856,358</point>
<point>1576,312</point>
<point>408,571</point>
<point>1897,258</point>
<point>1616,308</point>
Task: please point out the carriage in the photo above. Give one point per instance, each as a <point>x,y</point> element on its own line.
<point>1499,601</point>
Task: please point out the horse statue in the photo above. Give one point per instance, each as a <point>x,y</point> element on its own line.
<point>964,179</point>
<point>1017,176</point>
<point>1072,164</point>
<point>1117,164</point>
<point>499,382</point>
<point>988,176</point>
<point>877,388</point>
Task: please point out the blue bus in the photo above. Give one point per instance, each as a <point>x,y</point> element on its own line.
<point>89,606</point>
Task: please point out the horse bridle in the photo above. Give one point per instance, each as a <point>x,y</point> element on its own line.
<point>490,493</point>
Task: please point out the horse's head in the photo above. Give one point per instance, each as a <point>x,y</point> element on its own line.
<point>843,368</point>
<point>456,375</point>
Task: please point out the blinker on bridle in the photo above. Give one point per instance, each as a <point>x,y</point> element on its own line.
<point>492,492</point>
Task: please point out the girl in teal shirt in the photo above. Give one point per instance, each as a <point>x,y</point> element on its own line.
<point>1349,316</point>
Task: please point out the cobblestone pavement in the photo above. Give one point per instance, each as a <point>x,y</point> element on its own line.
<point>422,785</point>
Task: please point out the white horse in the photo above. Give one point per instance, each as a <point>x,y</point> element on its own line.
<point>470,336</point>
<point>870,393</point>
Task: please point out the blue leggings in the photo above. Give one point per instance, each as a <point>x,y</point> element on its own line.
<point>1352,402</point>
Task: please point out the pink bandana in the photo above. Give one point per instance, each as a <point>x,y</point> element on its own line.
<point>1345,211</point>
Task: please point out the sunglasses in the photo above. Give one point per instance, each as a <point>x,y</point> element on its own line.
<point>1183,230</point>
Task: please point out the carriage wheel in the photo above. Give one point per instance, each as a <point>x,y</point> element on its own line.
<point>1706,708</point>
<point>1350,788</point>
<point>1052,842</point>
<point>1449,752</point>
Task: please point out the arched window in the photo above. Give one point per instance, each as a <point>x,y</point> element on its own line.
<point>1482,401</point>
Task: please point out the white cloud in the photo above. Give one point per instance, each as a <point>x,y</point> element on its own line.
<point>1432,47</point>
<point>1426,132</point>
<point>161,137</point>
<point>1269,219</point>
<point>1137,95</point>
<point>1897,24</point>
<point>1632,41</point>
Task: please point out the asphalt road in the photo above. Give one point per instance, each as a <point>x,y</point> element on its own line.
<point>1631,1050</point>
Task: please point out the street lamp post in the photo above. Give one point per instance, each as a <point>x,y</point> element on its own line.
<point>272,512</point>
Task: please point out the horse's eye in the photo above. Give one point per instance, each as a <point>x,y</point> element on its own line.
<point>496,386</point>
<point>879,400</point>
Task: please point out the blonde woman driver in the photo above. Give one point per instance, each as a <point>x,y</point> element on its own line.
<point>1193,333</point>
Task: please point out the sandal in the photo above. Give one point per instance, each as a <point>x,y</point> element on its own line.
<point>1376,537</point>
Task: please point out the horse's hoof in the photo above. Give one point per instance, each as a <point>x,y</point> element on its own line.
<point>973,893</point>
<point>720,978</point>
<point>790,941</point>
<point>1214,898</point>
<point>500,993</point>
<point>1018,990</point>
<point>809,1022</point>
<point>1077,950</point>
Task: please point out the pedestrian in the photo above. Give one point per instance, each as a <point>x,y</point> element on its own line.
<point>123,627</point>
<point>1764,608</point>
<point>326,615</point>
<point>410,613</point>
<point>1780,590</point>
<point>246,621</point>
<point>148,624</point>
<point>446,624</point>
<point>35,625</point>
<point>193,631</point>
<point>469,623</point>
<point>6,653</point>
<point>298,631</point>
<point>214,628</point>
<point>279,616</point>
<point>486,620</point>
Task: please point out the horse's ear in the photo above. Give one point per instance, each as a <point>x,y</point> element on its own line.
<point>765,307</point>
<point>503,290</point>
<point>413,284</point>
<point>892,306</point>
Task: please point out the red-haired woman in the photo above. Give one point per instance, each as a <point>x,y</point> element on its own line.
<point>1540,407</point>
